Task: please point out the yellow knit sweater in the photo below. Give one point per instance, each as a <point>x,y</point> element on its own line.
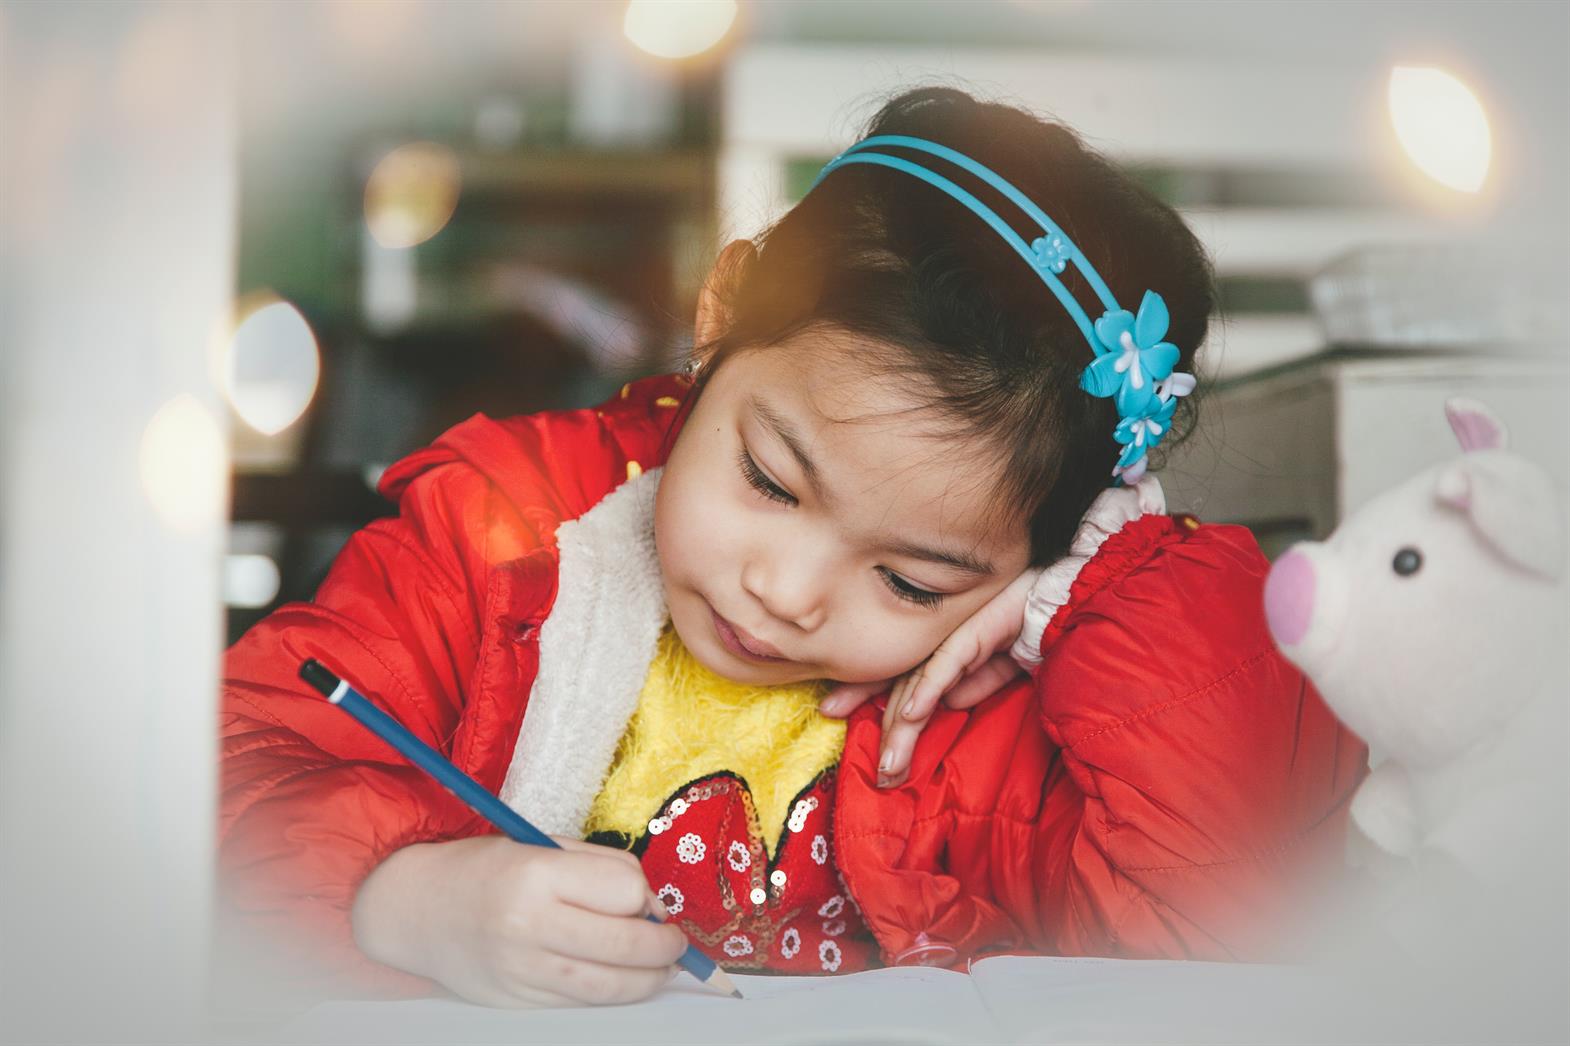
<point>691,723</point>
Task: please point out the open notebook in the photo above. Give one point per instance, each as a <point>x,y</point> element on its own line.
<point>1003,999</point>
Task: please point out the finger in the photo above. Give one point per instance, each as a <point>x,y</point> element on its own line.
<point>996,625</point>
<point>626,857</point>
<point>948,663</point>
<point>984,682</point>
<point>897,698</point>
<point>969,647</point>
<point>596,983</point>
<point>890,718</point>
<point>844,698</point>
<point>610,940</point>
<point>898,747</point>
<point>599,883</point>
<point>899,743</point>
<point>657,908</point>
<point>899,736</point>
<point>652,906</point>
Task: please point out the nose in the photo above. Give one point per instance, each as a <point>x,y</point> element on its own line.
<point>1289,598</point>
<point>792,587</point>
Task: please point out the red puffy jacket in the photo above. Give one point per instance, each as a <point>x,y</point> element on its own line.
<point>1164,784</point>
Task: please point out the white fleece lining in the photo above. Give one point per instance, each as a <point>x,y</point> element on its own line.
<point>596,646</point>
<point>1113,509</point>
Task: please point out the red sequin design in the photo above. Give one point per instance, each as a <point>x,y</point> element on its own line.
<point>704,856</point>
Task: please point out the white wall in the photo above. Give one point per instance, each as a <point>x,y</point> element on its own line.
<point>117,196</point>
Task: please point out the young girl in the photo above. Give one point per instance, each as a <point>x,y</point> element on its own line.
<point>915,423</point>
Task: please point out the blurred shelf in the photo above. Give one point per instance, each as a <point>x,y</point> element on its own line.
<point>1285,241</point>
<point>581,172</point>
<point>1291,450</point>
<point>312,498</point>
<point>1239,346</point>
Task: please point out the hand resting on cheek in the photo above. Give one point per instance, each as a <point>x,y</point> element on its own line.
<point>969,666</point>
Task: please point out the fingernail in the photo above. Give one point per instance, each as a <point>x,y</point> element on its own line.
<point>883,781</point>
<point>829,705</point>
<point>886,762</point>
<point>909,711</point>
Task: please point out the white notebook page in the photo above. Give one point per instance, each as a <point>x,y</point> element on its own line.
<point>908,1005</point>
<point>1004,999</point>
<point>1075,1000</point>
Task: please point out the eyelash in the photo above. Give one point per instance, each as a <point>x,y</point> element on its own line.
<point>900,588</point>
<point>763,485</point>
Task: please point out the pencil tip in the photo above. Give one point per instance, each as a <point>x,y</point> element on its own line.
<point>719,981</point>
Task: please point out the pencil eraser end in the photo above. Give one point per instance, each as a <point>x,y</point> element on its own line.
<point>313,672</point>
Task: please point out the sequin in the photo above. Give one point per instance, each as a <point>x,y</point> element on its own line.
<point>777,877</point>
<point>758,895</point>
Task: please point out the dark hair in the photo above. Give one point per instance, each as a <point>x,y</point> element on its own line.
<point>883,255</point>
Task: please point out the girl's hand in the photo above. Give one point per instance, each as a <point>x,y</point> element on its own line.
<point>968,667</point>
<point>508,925</point>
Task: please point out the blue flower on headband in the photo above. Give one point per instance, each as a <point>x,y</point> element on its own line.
<point>1138,434</point>
<point>1131,357</point>
<point>1052,252</point>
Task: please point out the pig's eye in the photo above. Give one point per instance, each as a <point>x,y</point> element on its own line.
<point>1407,562</point>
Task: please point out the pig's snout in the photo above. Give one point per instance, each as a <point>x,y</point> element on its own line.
<point>1289,598</point>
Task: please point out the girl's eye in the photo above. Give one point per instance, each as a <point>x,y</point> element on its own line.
<point>898,585</point>
<point>759,481</point>
<point>906,591</point>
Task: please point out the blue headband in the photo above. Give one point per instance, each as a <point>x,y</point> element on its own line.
<point>1133,366</point>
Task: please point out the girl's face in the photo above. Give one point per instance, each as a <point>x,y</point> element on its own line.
<point>803,517</point>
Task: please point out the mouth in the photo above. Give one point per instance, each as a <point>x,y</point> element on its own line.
<point>742,644</point>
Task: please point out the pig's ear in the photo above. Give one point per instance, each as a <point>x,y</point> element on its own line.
<point>1476,427</point>
<point>1514,506</point>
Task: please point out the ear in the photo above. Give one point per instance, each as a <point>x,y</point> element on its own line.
<point>729,268</point>
<point>1476,427</point>
<point>1514,506</point>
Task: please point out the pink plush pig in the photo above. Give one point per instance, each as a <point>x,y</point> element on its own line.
<point>1433,622</point>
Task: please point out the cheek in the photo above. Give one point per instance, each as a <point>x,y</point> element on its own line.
<point>895,641</point>
<point>888,645</point>
<point>675,528</point>
<point>694,524</point>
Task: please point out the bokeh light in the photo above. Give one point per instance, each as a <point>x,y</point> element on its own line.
<point>249,580</point>
<point>678,28</point>
<point>272,366</point>
<point>411,194</point>
<point>1441,125</point>
<point>184,465</point>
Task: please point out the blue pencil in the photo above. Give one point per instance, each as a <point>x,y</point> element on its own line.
<point>469,790</point>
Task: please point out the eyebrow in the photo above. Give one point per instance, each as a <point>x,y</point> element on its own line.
<point>793,442</point>
<point>958,560</point>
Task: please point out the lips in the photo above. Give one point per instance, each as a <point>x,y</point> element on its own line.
<point>741,643</point>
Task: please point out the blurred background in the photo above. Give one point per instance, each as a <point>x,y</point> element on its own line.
<point>250,254</point>
<point>510,207</point>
